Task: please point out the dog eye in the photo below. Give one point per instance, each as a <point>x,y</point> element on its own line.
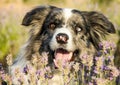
<point>52,26</point>
<point>78,29</point>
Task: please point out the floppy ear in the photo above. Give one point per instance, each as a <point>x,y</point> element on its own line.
<point>36,15</point>
<point>98,26</point>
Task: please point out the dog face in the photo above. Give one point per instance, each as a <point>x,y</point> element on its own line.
<point>66,32</point>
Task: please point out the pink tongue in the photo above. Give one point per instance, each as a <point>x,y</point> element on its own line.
<point>62,56</point>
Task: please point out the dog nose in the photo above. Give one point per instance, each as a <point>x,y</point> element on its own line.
<point>62,38</point>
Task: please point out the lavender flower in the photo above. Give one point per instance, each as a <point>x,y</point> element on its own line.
<point>90,70</point>
<point>76,67</point>
<point>9,59</point>
<point>26,69</point>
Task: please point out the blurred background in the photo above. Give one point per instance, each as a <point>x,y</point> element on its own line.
<point>13,34</point>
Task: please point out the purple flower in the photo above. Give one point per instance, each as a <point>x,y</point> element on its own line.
<point>85,56</point>
<point>48,76</point>
<point>99,53</point>
<point>111,57</point>
<point>94,82</point>
<point>3,76</point>
<point>105,68</point>
<point>101,46</point>
<point>96,58</point>
<point>38,72</point>
<point>42,72</point>
<point>25,69</point>
<point>95,71</point>
<point>107,45</point>
<point>47,69</point>
<point>113,46</point>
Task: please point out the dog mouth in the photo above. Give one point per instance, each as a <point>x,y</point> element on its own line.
<point>62,56</point>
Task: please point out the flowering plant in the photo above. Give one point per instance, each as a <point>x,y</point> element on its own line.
<point>96,70</point>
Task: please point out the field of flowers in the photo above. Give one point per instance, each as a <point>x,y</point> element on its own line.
<point>95,70</point>
<point>101,71</point>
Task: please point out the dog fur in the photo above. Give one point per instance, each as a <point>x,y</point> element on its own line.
<point>84,30</point>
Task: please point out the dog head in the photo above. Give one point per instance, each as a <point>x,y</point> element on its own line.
<point>65,32</point>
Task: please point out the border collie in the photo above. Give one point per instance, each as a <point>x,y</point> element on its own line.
<point>65,34</point>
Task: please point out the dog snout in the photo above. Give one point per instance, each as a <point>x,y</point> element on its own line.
<point>62,38</point>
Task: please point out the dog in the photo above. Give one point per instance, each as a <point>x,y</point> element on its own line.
<point>63,33</point>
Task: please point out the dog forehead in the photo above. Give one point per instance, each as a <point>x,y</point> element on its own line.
<point>67,13</point>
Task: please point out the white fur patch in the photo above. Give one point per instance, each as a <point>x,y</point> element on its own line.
<point>67,14</point>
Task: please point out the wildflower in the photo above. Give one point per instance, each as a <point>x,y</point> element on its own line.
<point>45,57</point>
<point>99,53</point>
<point>76,67</point>
<point>26,69</point>
<point>48,73</point>
<point>96,58</point>
<point>101,81</point>
<point>106,68</point>
<point>48,76</point>
<point>38,72</point>
<point>94,70</point>
<point>3,76</point>
<point>99,61</point>
<point>100,46</point>
<point>21,79</point>
<point>106,45</point>
<point>111,58</point>
<point>9,59</point>
<point>95,82</point>
<point>84,58</point>
<point>42,72</point>
<point>114,71</point>
<point>47,69</point>
<point>87,59</point>
<point>66,65</point>
<point>90,83</point>
<point>113,46</point>
<point>34,59</point>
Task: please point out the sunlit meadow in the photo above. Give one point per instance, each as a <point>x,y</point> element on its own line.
<point>95,70</point>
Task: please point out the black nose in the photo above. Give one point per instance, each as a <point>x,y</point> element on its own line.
<point>62,38</point>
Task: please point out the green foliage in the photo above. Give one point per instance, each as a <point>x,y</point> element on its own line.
<point>10,36</point>
<point>7,37</point>
<point>103,1</point>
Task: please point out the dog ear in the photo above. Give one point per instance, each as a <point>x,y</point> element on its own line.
<point>98,26</point>
<point>36,15</point>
